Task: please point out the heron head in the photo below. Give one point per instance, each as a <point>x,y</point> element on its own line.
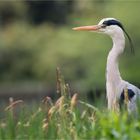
<point>109,26</point>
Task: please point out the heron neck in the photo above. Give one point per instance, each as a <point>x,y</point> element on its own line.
<point>113,74</point>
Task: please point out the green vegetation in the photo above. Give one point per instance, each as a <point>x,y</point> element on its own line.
<point>31,52</point>
<point>35,38</point>
<point>67,118</point>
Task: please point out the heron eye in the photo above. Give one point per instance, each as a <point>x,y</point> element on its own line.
<point>103,26</point>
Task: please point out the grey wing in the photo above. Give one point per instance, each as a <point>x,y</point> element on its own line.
<point>132,105</point>
<point>135,89</point>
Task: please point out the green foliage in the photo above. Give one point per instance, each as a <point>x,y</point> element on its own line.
<point>31,53</point>
<point>67,118</point>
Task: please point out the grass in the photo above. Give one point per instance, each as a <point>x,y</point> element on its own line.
<point>65,119</point>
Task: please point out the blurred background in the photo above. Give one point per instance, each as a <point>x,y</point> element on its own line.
<point>36,37</point>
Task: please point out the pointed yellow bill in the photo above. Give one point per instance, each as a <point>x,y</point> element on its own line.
<point>87,28</point>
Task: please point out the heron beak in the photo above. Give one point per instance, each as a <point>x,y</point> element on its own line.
<point>87,28</point>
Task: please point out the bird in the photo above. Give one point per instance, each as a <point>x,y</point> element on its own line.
<point>118,91</point>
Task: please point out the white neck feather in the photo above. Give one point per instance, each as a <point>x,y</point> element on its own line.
<point>113,78</point>
<point>113,74</point>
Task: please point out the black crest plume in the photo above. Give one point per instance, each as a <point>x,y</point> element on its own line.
<point>115,22</point>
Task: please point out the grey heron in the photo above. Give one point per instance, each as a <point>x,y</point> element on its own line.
<point>116,87</point>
